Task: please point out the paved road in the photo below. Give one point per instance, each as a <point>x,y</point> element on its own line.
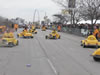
<point>48,57</point>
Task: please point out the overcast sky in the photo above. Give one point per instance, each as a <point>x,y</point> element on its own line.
<point>25,8</point>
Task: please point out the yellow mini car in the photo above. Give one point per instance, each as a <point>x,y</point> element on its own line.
<point>25,35</point>
<point>9,42</point>
<point>53,35</point>
<point>90,41</point>
<point>96,55</point>
<point>33,31</point>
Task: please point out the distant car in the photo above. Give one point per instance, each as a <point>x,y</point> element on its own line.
<point>90,41</point>
<point>96,55</point>
<point>8,41</point>
<point>53,35</point>
<point>25,35</point>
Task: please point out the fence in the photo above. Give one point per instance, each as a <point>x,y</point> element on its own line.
<point>75,31</point>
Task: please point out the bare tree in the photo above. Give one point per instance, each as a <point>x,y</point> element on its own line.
<point>5,21</point>
<point>62,3</point>
<point>73,13</point>
<point>90,10</point>
<point>60,18</point>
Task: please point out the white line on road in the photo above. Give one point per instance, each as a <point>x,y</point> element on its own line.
<point>52,66</point>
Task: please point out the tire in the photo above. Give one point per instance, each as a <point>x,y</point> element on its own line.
<point>31,36</point>
<point>81,44</point>
<point>24,37</point>
<point>59,37</point>
<point>35,32</point>
<point>46,37</point>
<point>10,44</point>
<point>96,59</point>
<point>84,46</point>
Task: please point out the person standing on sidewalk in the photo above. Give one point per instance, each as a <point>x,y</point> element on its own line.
<point>16,27</point>
<point>96,31</point>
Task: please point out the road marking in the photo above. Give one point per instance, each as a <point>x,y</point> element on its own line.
<point>49,61</point>
<point>52,66</point>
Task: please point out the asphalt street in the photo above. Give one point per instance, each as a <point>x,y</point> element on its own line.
<point>39,56</point>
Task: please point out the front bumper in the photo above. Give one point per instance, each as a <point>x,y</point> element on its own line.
<point>27,36</point>
<point>96,56</point>
<point>6,44</point>
<point>52,37</point>
<point>91,45</point>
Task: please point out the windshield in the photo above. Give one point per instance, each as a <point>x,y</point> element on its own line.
<point>92,38</point>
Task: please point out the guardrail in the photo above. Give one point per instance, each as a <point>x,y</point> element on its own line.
<point>75,31</point>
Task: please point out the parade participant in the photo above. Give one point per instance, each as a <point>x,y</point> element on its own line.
<point>59,28</point>
<point>16,27</point>
<point>96,31</point>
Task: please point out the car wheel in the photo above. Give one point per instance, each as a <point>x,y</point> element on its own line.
<point>59,37</point>
<point>96,59</point>
<point>46,37</point>
<point>10,44</point>
<point>81,43</point>
<point>31,36</point>
<point>84,46</point>
<point>24,36</point>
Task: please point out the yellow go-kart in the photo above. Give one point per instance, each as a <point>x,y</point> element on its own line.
<point>96,55</point>
<point>53,35</point>
<point>33,31</point>
<point>9,41</point>
<point>25,35</point>
<point>90,41</point>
